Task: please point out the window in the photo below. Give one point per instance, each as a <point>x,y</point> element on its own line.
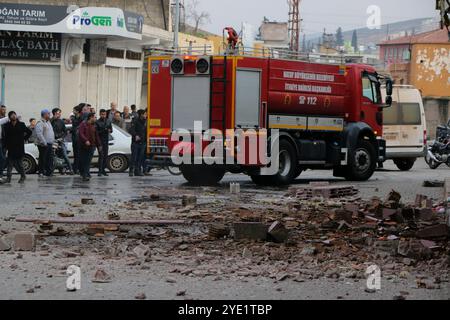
<point>367,89</point>
<point>402,114</point>
<point>371,88</point>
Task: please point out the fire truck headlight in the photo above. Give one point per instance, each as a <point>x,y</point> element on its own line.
<point>202,66</point>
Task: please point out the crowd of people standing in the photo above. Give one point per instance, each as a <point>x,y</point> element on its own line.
<point>88,134</point>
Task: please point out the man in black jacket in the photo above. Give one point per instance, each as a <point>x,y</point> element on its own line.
<point>138,133</point>
<point>76,120</point>
<point>15,133</point>
<point>104,129</point>
<point>60,130</point>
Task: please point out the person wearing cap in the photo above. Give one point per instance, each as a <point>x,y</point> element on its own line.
<point>45,137</point>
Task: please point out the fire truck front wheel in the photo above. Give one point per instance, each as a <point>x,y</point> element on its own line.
<point>362,162</point>
<point>202,175</point>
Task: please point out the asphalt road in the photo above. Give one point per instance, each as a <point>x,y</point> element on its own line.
<point>45,278</point>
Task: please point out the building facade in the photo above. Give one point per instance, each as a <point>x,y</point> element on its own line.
<point>61,53</point>
<point>423,61</point>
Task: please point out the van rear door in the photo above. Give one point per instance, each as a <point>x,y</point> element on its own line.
<point>404,122</point>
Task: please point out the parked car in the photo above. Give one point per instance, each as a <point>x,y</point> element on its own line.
<point>405,128</point>
<point>118,158</point>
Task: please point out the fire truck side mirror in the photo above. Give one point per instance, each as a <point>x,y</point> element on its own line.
<point>203,65</point>
<point>388,101</point>
<point>389,87</point>
<point>177,66</point>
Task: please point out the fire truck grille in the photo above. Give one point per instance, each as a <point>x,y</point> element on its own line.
<point>159,145</point>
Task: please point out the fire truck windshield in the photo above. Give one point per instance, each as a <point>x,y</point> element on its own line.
<point>371,87</point>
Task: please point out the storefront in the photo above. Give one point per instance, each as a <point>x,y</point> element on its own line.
<point>60,56</point>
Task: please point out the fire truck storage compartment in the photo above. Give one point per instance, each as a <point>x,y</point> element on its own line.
<point>248,98</point>
<point>312,150</point>
<point>190,102</point>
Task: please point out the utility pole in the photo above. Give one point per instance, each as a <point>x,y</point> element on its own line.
<point>177,25</point>
<point>294,25</point>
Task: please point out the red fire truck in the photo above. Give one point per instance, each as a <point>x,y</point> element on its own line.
<point>328,116</point>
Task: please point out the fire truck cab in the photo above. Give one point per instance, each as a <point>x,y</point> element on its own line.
<point>325,116</point>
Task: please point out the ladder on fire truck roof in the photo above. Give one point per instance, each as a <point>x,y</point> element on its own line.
<point>265,52</point>
<point>218,94</point>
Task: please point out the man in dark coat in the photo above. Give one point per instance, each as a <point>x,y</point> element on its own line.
<point>76,120</point>
<point>104,129</point>
<point>138,133</point>
<point>15,133</point>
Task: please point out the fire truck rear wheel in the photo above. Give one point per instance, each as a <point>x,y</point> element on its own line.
<point>202,175</point>
<point>362,162</point>
<point>288,168</point>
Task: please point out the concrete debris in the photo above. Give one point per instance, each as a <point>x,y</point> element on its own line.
<point>394,197</point>
<point>250,230</point>
<point>278,232</point>
<point>66,214</point>
<point>433,184</point>
<point>218,231</point>
<point>414,249</point>
<point>437,231</point>
<point>5,244</point>
<point>101,276</point>
<point>181,293</point>
<point>87,201</point>
<point>140,296</point>
<point>327,192</point>
<point>141,252</point>
<point>189,201</point>
<point>24,241</point>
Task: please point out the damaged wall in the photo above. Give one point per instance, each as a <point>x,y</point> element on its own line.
<point>430,69</point>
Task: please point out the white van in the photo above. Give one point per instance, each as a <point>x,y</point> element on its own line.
<point>404,127</point>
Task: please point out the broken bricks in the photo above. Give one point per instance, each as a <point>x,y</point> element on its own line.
<point>218,231</point>
<point>187,201</point>
<point>250,230</point>
<point>437,231</point>
<point>278,232</point>
<point>23,241</point>
<point>87,201</point>
<point>101,276</point>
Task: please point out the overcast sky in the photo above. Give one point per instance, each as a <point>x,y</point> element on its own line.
<point>317,14</point>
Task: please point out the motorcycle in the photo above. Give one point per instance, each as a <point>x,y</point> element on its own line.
<point>439,152</point>
<point>58,157</point>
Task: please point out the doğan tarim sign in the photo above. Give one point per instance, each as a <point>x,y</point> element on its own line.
<point>30,45</point>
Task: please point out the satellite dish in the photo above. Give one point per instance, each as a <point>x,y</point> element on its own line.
<point>72,8</point>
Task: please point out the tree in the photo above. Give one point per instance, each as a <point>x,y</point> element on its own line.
<point>339,37</point>
<point>355,41</point>
<point>195,16</point>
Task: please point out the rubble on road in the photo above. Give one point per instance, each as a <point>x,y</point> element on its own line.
<point>101,276</point>
<point>325,191</point>
<point>293,236</point>
<point>23,241</point>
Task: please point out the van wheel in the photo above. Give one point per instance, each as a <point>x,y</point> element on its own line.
<point>29,164</point>
<point>405,164</point>
<point>202,175</point>
<point>362,162</point>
